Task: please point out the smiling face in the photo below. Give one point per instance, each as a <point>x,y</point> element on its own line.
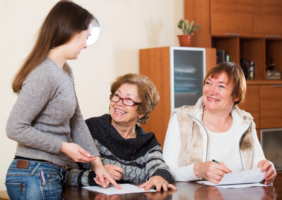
<point>121,113</point>
<point>77,43</point>
<point>217,93</point>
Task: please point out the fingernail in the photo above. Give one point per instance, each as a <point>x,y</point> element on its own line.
<point>88,155</point>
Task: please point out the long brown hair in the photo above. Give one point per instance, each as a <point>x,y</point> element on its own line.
<point>63,21</point>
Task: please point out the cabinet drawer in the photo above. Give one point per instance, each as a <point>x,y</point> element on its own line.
<point>270,106</point>
<point>251,103</point>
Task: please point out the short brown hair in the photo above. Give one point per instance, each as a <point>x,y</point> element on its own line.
<point>147,91</point>
<point>234,74</point>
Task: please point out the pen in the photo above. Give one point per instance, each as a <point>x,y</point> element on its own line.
<point>125,175</point>
<point>215,161</point>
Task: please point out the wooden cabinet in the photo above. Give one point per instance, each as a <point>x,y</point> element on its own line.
<point>267,18</point>
<point>177,73</point>
<point>270,106</point>
<point>251,103</point>
<point>231,17</point>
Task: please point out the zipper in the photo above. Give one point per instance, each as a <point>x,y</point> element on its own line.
<point>240,142</point>
<point>206,135</point>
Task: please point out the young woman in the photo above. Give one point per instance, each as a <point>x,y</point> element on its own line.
<point>46,115</point>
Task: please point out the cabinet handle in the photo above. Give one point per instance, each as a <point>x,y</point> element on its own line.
<point>233,34</point>
<point>277,85</point>
<point>273,36</point>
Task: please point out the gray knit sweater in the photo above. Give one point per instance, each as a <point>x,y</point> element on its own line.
<point>46,114</point>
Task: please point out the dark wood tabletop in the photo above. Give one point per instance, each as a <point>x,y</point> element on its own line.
<point>186,191</point>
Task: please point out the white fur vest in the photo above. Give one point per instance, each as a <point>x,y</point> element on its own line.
<point>194,142</point>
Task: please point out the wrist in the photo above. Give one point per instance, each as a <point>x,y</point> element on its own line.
<point>196,171</point>
<point>97,163</point>
<point>63,147</point>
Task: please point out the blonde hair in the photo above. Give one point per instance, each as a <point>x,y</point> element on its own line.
<point>234,74</point>
<point>147,91</point>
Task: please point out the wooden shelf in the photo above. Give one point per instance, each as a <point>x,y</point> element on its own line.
<point>264,82</point>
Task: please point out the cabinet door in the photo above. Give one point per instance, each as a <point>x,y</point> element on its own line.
<point>270,106</point>
<point>231,17</point>
<point>251,103</point>
<point>267,18</point>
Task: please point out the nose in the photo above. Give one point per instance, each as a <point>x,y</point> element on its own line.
<point>213,89</point>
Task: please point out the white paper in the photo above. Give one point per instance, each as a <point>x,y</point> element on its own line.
<point>126,188</point>
<point>241,185</point>
<point>249,176</point>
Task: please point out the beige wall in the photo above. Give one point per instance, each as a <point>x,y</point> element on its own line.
<point>126,27</point>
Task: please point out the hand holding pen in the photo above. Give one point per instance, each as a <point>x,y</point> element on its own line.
<point>211,170</point>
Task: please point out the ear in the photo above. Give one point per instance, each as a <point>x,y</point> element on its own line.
<point>141,115</point>
<point>236,99</point>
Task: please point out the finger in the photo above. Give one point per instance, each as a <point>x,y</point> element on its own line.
<point>164,186</point>
<point>115,178</point>
<point>272,176</point>
<point>85,159</point>
<point>143,185</point>
<point>269,173</point>
<point>171,187</point>
<point>149,186</point>
<point>158,187</point>
<point>112,181</point>
<point>116,174</point>
<point>84,152</point>
<point>98,181</point>
<point>223,167</point>
<point>265,165</point>
<point>119,169</point>
<point>102,180</point>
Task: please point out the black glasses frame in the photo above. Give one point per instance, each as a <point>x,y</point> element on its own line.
<point>135,103</point>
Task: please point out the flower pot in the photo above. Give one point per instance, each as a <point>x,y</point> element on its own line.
<point>185,40</point>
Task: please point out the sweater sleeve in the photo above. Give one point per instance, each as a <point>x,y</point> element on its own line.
<point>155,165</point>
<point>80,174</point>
<point>36,91</point>
<point>171,150</point>
<point>81,134</point>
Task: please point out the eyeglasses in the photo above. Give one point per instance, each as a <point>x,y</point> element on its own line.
<point>125,101</point>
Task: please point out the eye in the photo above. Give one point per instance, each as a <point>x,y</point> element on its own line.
<point>207,82</point>
<point>221,86</point>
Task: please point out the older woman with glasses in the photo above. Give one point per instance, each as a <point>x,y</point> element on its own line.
<point>128,153</point>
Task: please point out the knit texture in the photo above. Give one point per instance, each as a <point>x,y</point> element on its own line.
<point>46,114</point>
<point>147,161</point>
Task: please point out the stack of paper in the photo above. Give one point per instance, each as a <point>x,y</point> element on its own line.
<point>247,178</point>
<point>111,190</point>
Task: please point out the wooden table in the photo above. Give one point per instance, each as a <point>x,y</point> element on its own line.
<point>186,191</point>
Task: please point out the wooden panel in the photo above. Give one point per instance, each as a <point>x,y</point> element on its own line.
<point>254,50</point>
<point>263,82</point>
<point>267,17</point>
<point>155,63</point>
<point>232,16</point>
<point>230,45</point>
<point>270,106</point>
<point>273,49</point>
<point>210,58</point>
<point>199,12</point>
<point>4,195</point>
<point>251,103</point>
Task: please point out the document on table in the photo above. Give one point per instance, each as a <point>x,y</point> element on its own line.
<point>111,190</point>
<point>249,176</point>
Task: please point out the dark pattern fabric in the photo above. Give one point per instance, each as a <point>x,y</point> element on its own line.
<point>147,161</point>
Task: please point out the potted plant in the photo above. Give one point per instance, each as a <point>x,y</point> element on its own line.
<point>188,30</point>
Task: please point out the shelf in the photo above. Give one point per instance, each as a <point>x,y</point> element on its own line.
<point>264,82</point>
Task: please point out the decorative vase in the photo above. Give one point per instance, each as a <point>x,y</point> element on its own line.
<point>185,40</point>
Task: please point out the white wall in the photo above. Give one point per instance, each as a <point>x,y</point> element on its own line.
<point>126,27</point>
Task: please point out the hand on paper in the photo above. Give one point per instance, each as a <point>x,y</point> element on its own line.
<point>211,171</point>
<point>103,178</point>
<point>76,153</point>
<point>159,182</point>
<point>114,171</point>
<point>270,174</point>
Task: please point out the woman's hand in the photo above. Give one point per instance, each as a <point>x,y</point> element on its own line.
<point>211,171</point>
<point>159,182</point>
<point>76,153</point>
<point>103,178</point>
<point>114,171</point>
<point>270,174</point>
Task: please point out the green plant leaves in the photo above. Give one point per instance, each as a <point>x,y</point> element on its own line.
<point>186,28</point>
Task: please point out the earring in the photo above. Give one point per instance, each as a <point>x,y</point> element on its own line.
<point>109,110</point>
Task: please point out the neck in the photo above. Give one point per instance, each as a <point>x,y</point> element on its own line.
<point>57,55</point>
<point>219,118</point>
<point>126,130</point>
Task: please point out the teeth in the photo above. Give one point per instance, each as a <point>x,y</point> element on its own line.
<point>212,99</point>
<point>119,111</point>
